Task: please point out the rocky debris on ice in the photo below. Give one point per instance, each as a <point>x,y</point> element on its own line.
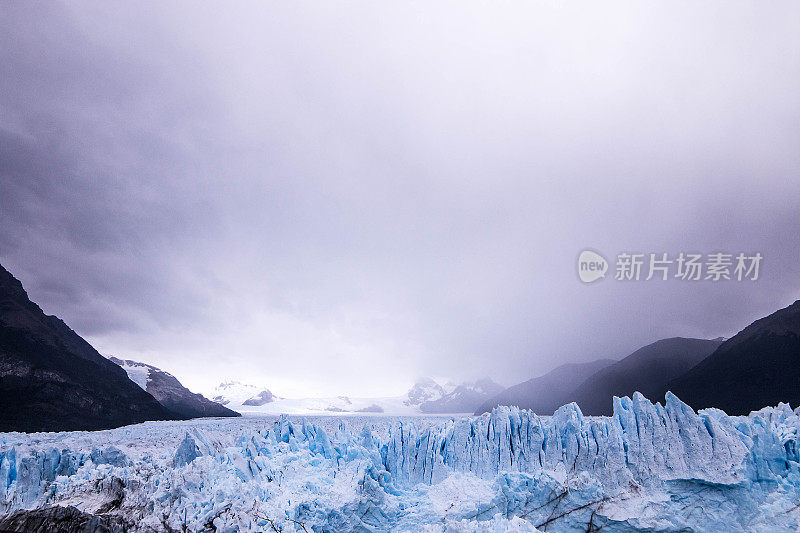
<point>62,520</point>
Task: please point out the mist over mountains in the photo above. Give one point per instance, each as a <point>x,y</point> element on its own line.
<point>52,379</point>
<point>758,366</point>
<point>546,393</point>
<point>594,385</point>
<point>646,371</point>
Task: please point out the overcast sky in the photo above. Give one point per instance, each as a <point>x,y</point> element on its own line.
<point>339,197</point>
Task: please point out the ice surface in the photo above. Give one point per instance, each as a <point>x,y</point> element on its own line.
<point>332,405</point>
<point>247,399</point>
<point>325,406</point>
<point>648,467</point>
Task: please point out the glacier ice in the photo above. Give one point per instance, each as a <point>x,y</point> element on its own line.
<point>648,467</point>
<point>186,453</point>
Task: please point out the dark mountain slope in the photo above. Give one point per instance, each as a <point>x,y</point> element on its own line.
<point>758,366</point>
<point>53,380</point>
<point>170,393</point>
<point>647,370</point>
<point>546,393</point>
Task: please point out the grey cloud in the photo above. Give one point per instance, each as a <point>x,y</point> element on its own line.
<point>295,193</point>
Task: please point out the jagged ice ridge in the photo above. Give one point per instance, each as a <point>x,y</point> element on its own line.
<point>647,467</point>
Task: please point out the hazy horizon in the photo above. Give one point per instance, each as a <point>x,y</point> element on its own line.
<point>339,199</point>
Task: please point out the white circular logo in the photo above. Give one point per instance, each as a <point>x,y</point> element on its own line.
<point>591,266</point>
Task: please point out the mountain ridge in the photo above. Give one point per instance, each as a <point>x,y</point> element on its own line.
<point>170,393</point>
<point>51,379</point>
<point>758,366</point>
<point>646,370</point>
<point>546,393</point>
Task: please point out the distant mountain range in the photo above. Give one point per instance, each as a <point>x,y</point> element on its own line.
<point>53,380</point>
<point>646,370</point>
<point>757,367</point>
<point>235,394</point>
<point>169,392</point>
<point>593,385</point>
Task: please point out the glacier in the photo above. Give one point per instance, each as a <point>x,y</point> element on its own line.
<point>648,467</point>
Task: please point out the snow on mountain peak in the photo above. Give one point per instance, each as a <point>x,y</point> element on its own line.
<point>424,390</point>
<point>462,398</point>
<point>139,373</point>
<point>236,394</point>
<point>483,386</point>
<point>169,392</point>
<point>429,396</point>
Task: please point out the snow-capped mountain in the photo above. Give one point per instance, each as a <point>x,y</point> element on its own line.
<point>235,394</point>
<point>464,398</point>
<point>261,398</point>
<point>428,396</point>
<point>169,392</point>
<point>424,390</point>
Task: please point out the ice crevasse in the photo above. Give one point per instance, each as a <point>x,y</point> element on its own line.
<point>648,467</point>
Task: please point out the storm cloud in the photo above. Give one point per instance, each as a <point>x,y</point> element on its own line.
<point>337,198</point>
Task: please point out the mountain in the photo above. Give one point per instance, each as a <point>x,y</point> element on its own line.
<point>53,380</point>
<point>169,392</point>
<point>546,393</point>
<point>465,398</point>
<point>647,370</point>
<point>424,390</point>
<point>261,398</point>
<point>756,367</point>
<point>235,394</point>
